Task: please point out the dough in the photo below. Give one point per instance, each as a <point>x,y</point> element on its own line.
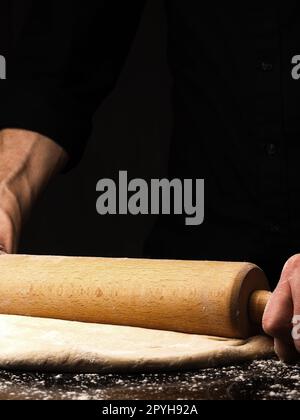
<point>62,346</point>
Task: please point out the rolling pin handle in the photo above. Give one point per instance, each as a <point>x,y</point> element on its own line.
<point>257,305</point>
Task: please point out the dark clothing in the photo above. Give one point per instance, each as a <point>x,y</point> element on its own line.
<point>63,59</point>
<point>235,99</point>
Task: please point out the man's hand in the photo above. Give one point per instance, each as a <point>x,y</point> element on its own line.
<point>27,162</point>
<point>283,308</point>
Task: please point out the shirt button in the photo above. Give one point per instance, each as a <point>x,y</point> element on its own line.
<point>266,66</point>
<point>275,228</point>
<point>271,149</point>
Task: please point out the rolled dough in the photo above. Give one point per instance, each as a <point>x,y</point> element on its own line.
<point>62,346</point>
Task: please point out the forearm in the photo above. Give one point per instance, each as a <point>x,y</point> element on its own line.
<point>27,162</point>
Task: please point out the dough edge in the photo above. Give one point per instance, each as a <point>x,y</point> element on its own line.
<point>36,344</point>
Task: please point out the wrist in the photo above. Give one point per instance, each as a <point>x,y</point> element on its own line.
<point>16,183</point>
<point>30,159</point>
<point>27,162</point>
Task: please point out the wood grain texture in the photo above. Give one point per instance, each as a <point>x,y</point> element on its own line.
<point>257,305</point>
<point>198,297</point>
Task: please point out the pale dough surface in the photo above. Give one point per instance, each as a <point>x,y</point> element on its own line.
<point>61,346</point>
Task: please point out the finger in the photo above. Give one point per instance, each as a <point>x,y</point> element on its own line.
<point>7,234</point>
<point>283,310</point>
<point>277,320</point>
<point>285,350</point>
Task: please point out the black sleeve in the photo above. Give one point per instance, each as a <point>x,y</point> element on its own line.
<point>63,58</point>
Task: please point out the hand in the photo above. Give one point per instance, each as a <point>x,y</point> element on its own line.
<point>2,250</point>
<point>9,234</point>
<point>283,307</point>
<point>27,162</point>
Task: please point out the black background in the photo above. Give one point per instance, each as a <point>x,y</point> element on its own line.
<point>132,131</point>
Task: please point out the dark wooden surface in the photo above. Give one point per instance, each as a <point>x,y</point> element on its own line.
<point>269,380</point>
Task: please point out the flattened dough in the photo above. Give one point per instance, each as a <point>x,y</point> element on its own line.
<point>61,346</point>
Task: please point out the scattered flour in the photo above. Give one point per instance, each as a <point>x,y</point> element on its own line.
<point>263,380</point>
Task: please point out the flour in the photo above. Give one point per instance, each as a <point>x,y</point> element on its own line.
<point>256,381</point>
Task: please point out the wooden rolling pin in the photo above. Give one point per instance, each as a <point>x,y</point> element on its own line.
<point>212,298</point>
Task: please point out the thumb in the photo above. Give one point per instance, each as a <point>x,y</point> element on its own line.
<point>8,233</point>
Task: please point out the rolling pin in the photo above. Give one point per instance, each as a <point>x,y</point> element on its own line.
<point>198,297</point>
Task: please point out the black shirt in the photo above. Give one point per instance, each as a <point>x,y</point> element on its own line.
<point>236,100</point>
